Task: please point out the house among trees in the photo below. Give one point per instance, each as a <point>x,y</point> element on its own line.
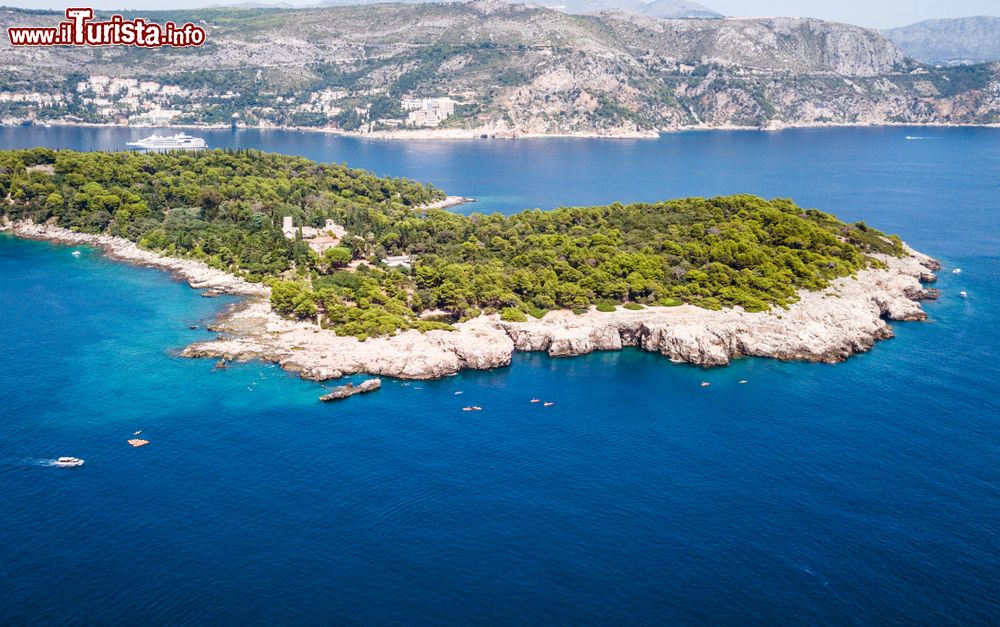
<point>319,239</point>
<point>399,261</point>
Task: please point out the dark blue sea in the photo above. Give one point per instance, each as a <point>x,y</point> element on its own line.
<point>866,492</point>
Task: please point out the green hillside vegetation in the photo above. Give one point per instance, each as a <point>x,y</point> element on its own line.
<point>226,207</point>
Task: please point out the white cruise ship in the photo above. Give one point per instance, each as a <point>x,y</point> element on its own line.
<point>180,141</point>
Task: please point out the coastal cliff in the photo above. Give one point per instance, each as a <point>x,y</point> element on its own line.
<point>829,325</point>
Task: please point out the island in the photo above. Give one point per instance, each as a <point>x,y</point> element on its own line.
<point>344,272</point>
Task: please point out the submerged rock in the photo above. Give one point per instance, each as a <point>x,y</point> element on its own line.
<point>350,390</point>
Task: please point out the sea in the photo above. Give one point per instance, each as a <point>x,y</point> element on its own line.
<point>866,492</point>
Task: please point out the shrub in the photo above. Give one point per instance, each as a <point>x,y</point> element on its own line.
<point>537,312</point>
<point>512,314</point>
<point>338,255</point>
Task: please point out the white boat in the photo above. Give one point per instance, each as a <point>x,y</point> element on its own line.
<point>180,141</point>
<point>68,462</point>
<point>963,294</point>
<point>76,253</point>
<point>957,271</point>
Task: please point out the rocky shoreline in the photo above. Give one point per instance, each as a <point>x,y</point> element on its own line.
<point>447,134</point>
<point>847,317</point>
<point>198,275</point>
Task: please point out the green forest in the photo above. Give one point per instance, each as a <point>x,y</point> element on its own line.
<point>226,207</point>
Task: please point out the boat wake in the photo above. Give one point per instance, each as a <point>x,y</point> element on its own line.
<point>65,462</point>
<point>33,461</point>
<point>919,137</point>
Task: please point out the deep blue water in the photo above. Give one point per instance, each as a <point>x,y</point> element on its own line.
<point>857,493</point>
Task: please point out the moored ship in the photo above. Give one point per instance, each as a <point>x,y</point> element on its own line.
<point>180,141</point>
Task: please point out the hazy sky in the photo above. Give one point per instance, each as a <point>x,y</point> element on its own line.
<point>876,13</point>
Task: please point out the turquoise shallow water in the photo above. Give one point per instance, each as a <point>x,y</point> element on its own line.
<point>861,492</point>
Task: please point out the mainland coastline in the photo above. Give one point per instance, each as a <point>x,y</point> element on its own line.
<point>847,317</point>
<point>458,134</point>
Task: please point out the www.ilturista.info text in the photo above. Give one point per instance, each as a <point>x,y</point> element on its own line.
<point>79,29</point>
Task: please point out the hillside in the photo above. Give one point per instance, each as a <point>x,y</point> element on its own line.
<point>501,69</point>
<point>960,40</point>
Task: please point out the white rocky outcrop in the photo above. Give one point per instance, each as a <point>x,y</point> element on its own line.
<point>847,317</point>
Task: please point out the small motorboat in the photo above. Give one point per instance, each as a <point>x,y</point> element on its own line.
<point>743,382</point>
<point>458,392</point>
<point>68,462</point>
<point>957,271</point>
<point>963,294</point>
<point>548,404</point>
<point>137,432</point>
<point>472,408</point>
<point>76,253</point>
<point>536,400</point>
<point>705,384</point>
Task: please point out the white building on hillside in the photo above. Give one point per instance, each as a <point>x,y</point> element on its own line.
<point>319,239</point>
<point>399,261</point>
<point>428,111</point>
<point>155,117</point>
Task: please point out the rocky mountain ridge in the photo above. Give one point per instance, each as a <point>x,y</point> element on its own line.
<point>667,9</point>
<point>509,69</point>
<point>950,41</point>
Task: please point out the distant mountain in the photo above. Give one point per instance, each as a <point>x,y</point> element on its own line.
<point>664,9</point>
<point>949,41</point>
<point>673,9</point>
<point>506,68</point>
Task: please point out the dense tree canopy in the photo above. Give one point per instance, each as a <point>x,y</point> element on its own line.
<point>226,209</point>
